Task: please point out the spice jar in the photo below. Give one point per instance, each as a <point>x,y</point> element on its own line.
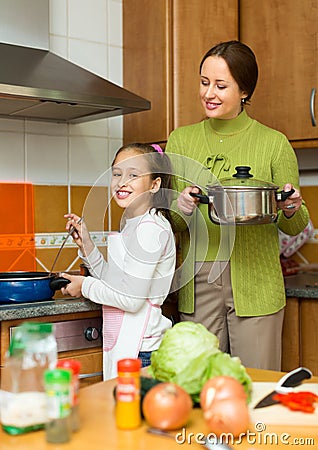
<point>128,394</point>
<point>74,366</point>
<point>58,392</point>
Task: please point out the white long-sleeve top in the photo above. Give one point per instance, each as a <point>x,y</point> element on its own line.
<point>140,267</point>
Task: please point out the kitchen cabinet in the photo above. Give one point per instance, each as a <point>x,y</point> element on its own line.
<point>300,329</point>
<point>291,340</point>
<point>309,327</point>
<point>300,334</point>
<point>91,359</point>
<point>163,44</point>
<point>284,36</point>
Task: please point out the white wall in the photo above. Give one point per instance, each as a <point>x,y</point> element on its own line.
<point>88,33</point>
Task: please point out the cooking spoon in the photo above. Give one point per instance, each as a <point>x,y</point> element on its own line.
<point>214,444</point>
<point>70,232</point>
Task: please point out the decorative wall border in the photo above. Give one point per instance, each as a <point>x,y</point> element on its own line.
<point>55,240</point>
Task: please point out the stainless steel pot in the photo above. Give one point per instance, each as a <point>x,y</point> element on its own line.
<point>243,200</point>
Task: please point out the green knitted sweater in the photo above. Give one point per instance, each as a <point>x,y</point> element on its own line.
<point>213,148</point>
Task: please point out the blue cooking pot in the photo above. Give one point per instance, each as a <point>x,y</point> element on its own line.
<point>22,287</point>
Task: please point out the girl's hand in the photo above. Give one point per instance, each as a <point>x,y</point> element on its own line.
<point>187,203</point>
<point>74,288</point>
<point>292,203</point>
<point>81,235</point>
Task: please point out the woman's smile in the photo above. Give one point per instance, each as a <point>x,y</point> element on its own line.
<point>212,105</point>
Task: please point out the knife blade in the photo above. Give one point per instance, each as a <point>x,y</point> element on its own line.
<point>285,384</point>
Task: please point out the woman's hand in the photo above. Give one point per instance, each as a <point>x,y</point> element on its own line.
<point>292,203</point>
<point>81,235</point>
<point>187,203</point>
<point>74,288</point>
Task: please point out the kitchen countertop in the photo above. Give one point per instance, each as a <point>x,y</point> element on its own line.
<point>56,306</point>
<point>98,428</point>
<point>302,285</point>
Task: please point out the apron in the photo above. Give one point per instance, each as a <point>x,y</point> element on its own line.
<point>123,331</point>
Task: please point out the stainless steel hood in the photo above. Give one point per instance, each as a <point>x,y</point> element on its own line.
<point>36,84</point>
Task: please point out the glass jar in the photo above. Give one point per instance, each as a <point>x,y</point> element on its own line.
<point>58,393</point>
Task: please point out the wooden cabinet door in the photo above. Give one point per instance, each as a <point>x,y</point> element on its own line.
<point>164,41</point>
<point>146,67</point>
<point>197,26</point>
<point>284,36</point>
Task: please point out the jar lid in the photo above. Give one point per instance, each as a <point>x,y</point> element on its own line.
<point>244,179</point>
<point>129,365</point>
<point>57,376</point>
<point>73,364</point>
<point>37,327</point>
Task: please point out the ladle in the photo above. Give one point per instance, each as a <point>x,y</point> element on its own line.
<point>70,232</point>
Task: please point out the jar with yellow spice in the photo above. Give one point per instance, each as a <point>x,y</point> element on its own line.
<point>128,414</point>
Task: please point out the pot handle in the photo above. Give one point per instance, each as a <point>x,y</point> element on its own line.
<point>281,196</point>
<point>58,282</point>
<point>203,198</point>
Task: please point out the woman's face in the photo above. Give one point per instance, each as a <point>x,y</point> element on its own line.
<point>219,92</point>
<point>132,185</point>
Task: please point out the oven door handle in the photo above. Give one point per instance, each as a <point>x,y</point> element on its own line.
<point>83,376</point>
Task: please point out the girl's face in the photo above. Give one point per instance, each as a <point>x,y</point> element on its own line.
<point>219,92</point>
<point>132,184</point>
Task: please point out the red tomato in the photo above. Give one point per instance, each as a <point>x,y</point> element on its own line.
<point>167,406</point>
<point>221,388</point>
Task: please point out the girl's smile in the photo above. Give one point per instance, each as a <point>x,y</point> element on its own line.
<point>122,194</point>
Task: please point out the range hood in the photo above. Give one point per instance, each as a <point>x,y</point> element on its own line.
<point>36,84</point>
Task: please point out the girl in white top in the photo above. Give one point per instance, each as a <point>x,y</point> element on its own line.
<point>135,280</point>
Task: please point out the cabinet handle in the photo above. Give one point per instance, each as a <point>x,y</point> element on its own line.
<point>312,107</point>
<point>83,376</point>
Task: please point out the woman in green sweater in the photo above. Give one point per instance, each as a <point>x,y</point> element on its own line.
<point>230,279</point>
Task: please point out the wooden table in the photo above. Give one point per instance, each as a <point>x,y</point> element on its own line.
<point>98,430</point>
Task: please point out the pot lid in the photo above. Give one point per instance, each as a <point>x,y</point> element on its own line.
<point>244,179</point>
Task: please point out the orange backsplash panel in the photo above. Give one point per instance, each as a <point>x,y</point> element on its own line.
<point>17,245</point>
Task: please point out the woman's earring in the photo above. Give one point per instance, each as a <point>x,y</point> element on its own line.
<point>243,100</point>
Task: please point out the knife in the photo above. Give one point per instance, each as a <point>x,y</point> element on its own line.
<point>284,385</point>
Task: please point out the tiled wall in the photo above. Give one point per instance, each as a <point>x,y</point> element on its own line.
<point>63,161</point>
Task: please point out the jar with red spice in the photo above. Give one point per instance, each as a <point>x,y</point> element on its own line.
<point>74,366</point>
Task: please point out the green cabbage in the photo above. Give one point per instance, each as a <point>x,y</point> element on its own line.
<point>223,364</point>
<point>189,355</point>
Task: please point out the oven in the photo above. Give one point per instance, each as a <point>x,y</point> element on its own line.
<point>77,335</point>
